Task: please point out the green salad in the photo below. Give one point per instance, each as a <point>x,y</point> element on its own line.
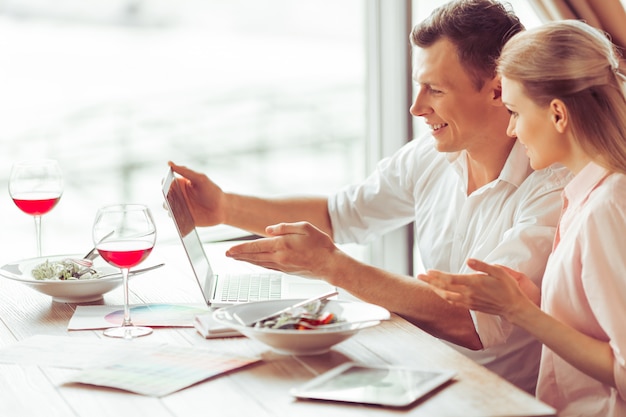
<point>61,270</point>
<point>308,317</point>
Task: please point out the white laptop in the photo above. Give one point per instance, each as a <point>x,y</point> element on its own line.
<point>221,288</point>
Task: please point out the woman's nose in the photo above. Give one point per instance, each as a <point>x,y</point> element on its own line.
<point>510,129</point>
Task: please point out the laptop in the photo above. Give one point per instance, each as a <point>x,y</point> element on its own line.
<point>221,288</point>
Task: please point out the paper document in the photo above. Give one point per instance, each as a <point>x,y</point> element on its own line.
<point>67,352</point>
<point>90,317</point>
<point>163,371</point>
<point>149,369</point>
<point>208,328</point>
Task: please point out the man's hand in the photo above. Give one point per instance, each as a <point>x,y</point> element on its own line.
<point>204,198</point>
<point>297,248</point>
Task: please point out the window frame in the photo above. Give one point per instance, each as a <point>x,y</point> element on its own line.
<point>389,123</point>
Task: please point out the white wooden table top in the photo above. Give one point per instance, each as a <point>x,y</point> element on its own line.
<point>261,389</point>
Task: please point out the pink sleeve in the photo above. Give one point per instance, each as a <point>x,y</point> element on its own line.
<point>604,279</point>
<point>619,371</point>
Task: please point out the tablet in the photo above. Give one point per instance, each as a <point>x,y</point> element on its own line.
<point>385,385</point>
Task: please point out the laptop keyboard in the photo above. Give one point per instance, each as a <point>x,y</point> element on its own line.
<point>250,287</point>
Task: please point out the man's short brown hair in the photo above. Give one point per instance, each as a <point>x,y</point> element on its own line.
<point>478,28</point>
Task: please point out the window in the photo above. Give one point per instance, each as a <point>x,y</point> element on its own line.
<point>262,95</point>
<point>265,96</point>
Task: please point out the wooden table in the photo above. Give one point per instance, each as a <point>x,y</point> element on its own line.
<point>261,389</point>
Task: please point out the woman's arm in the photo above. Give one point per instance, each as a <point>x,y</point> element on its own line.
<point>496,291</point>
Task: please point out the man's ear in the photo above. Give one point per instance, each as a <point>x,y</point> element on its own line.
<point>495,86</point>
<point>559,115</point>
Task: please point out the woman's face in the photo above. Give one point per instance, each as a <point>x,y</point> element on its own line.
<point>534,127</point>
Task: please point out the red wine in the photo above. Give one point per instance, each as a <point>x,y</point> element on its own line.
<point>36,204</point>
<point>125,253</point>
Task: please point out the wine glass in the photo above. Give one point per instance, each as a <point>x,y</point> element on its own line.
<point>124,236</point>
<point>36,187</point>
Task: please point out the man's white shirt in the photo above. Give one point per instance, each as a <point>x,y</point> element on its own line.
<point>510,221</point>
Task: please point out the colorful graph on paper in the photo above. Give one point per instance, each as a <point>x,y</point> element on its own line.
<point>162,371</point>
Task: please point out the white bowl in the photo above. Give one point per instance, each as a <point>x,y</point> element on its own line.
<point>70,291</point>
<point>353,314</point>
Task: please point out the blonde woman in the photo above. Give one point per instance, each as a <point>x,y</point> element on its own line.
<point>566,97</point>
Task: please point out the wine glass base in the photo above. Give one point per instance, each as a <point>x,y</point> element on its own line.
<point>128,332</point>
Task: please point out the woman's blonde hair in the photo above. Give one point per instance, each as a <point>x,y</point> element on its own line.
<point>576,63</point>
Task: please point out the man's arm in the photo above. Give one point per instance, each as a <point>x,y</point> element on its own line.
<point>406,296</point>
<point>210,206</point>
<point>302,249</point>
<point>254,214</point>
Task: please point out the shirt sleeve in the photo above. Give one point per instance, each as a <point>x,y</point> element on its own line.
<point>526,245</point>
<point>380,204</point>
<point>603,264</point>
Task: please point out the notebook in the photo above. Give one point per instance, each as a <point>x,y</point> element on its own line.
<point>221,288</point>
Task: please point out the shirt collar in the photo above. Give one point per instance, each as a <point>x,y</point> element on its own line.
<point>584,183</point>
<point>515,170</point>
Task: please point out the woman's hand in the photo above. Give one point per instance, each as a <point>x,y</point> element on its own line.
<point>495,290</point>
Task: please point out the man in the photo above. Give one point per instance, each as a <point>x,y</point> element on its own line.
<point>467,186</point>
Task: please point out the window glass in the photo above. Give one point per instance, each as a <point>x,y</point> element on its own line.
<point>265,96</point>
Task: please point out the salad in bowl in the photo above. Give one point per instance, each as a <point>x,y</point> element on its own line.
<point>307,330</point>
<point>64,280</point>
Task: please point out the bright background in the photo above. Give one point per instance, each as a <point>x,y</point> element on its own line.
<point>265,96</point>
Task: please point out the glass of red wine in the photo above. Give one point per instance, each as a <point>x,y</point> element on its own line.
<point>124,236</point>
<point>36,187</point>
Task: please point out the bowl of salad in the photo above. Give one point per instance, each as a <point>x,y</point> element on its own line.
<point>64,280</point>
<point>310,329</point>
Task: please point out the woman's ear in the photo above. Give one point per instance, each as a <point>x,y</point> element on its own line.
<point>559,115</point>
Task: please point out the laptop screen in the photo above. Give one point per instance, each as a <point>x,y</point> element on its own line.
<point>185,227</point>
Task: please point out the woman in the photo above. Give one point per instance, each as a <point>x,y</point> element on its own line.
<point>567,101</point>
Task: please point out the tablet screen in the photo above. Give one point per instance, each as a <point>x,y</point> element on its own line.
<point>383,385</point>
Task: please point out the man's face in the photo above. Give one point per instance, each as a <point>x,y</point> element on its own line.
<point>448,99</point>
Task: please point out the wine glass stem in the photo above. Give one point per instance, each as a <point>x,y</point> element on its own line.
<point>38,234</point>
<point>127,321</point>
